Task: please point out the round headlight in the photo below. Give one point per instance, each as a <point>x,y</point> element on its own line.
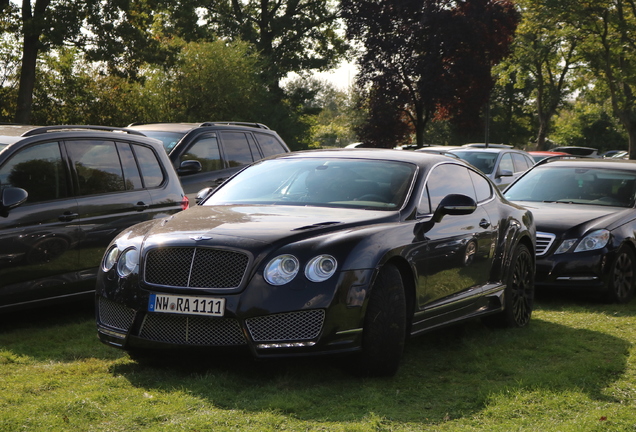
<point>127,262</point>
<point>321,268</point>
<point>281,269</point>
<point>110,258</point>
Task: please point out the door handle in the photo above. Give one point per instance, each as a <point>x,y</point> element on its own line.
<point>141,206</point>
<point>484,223</point>
<point>67,216</point>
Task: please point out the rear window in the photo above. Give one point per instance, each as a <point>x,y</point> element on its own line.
<point>269,144</point>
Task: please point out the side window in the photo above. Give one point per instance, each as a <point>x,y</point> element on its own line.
<point>132,180</point>
<point>483,190</point>
<point>269,144</point>
<point>206,150</point>
<point>506,163</point>
<point>448,179</point>
<point>236,149</point>
<point>149,165</point>
<point>38,170</point>
<point>521,163</point>
<point>97,166</point>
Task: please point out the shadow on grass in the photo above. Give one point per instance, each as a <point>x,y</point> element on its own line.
<point>449,373</point>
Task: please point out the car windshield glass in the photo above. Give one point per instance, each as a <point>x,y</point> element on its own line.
<point>329,182</point>
<point>483,161</point>
<point>575,185</point>
<point>169,139</point>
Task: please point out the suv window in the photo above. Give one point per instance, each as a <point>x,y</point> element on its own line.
<point>237,148</point>
<point>150,166</point>
<point>269,145</point>
<point>506,163</point>
<point>521,162</point>
<point>43,159</point>
<point>97,166</point>
<point>132,180</point>
<point>206,151</point>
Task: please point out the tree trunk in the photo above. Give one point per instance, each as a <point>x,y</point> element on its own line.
<point>27,79</point>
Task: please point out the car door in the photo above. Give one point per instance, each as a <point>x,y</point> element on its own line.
<point>110,195</point>
<point>38,240</point>
<point>458,249</point>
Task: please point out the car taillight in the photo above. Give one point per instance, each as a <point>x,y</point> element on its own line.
<point>185,203</point>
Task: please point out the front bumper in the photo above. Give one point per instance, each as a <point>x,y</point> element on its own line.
<point>584,271</point>
<point>269,321</point>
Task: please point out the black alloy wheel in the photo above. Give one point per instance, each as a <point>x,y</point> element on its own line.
<point>622,277</point>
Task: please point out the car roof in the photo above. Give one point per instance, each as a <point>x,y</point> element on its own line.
<point>418,158</point>
<point>486,150</point>
<point>591,163</point>
<point>185,127</point>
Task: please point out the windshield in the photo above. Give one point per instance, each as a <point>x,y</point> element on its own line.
<point>595,186</point>
<point>483,161</point>
<point>350,183</point>
<point>169,139</point>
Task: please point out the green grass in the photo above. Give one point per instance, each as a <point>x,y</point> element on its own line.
<point>572,369</point>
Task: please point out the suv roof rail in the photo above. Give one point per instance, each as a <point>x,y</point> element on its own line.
<point>45,129</point>
<point>214,123</point>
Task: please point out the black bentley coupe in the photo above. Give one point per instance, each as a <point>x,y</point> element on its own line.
<point>339,251</point>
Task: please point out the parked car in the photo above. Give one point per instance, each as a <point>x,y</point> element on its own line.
<point>540,155</point>
<point>442,150</point>
<point>207,154</point>
<point>321,252</point>
<point>586,220</point>
<point>501,164</point>
<point>66,192</point>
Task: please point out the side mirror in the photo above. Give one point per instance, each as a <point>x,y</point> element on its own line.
<point>455,205</point>
<point>189,167</point>
<point>12,197</point>
<point>203,194</point>
<point>504,173</point>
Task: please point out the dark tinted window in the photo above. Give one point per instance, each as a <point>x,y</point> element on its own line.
<point>448,179</point>
<point>205,150</point>
<point>269,144</point>
<point>132,180</point>
<point>483,190</point>
<point>38,170</point>
<point>150,166</point>
<point>236,149</point>
<point>97,166</point>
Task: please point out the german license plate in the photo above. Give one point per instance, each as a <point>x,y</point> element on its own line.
<point>188,305</point>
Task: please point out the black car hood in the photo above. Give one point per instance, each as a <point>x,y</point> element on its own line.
<point>260,224</point>
<point>558,218</point>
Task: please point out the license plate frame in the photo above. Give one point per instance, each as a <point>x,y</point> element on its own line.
<point>186,305</point>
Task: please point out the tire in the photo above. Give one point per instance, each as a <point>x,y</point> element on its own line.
<point>622,278</point>
<point>384,331</point>
<point>519,293</point>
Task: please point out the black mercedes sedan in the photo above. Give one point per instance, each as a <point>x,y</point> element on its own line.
<point>586,223</point>
<point>339,251</point>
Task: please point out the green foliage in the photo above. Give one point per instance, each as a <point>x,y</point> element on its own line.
<point>589,125</point>
<point>572,369</point>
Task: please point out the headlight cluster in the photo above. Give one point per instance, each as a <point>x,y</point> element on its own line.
<point>595,240</point>
<point>284,268</point>
<point>126,261</point>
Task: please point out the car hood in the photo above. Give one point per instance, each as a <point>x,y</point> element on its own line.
<point>236,225</point>
<point>558,218</point>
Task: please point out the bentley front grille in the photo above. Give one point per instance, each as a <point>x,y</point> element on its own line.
<point>114,315</point>
<point>195,267</point>
<point>192,330</point>
<point>292,326</point>
<point>544,241</point>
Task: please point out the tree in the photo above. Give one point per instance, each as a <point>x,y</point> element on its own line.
<point>290,35</point>
<point>546,52</point>
<point>429,58</point>
<point>608,45</point>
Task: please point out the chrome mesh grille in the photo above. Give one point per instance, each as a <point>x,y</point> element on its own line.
<point>195,267</point>
<point>115,315</point>
<point>544,241</point>
<point>191,330</point>
<point>293,326</point>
